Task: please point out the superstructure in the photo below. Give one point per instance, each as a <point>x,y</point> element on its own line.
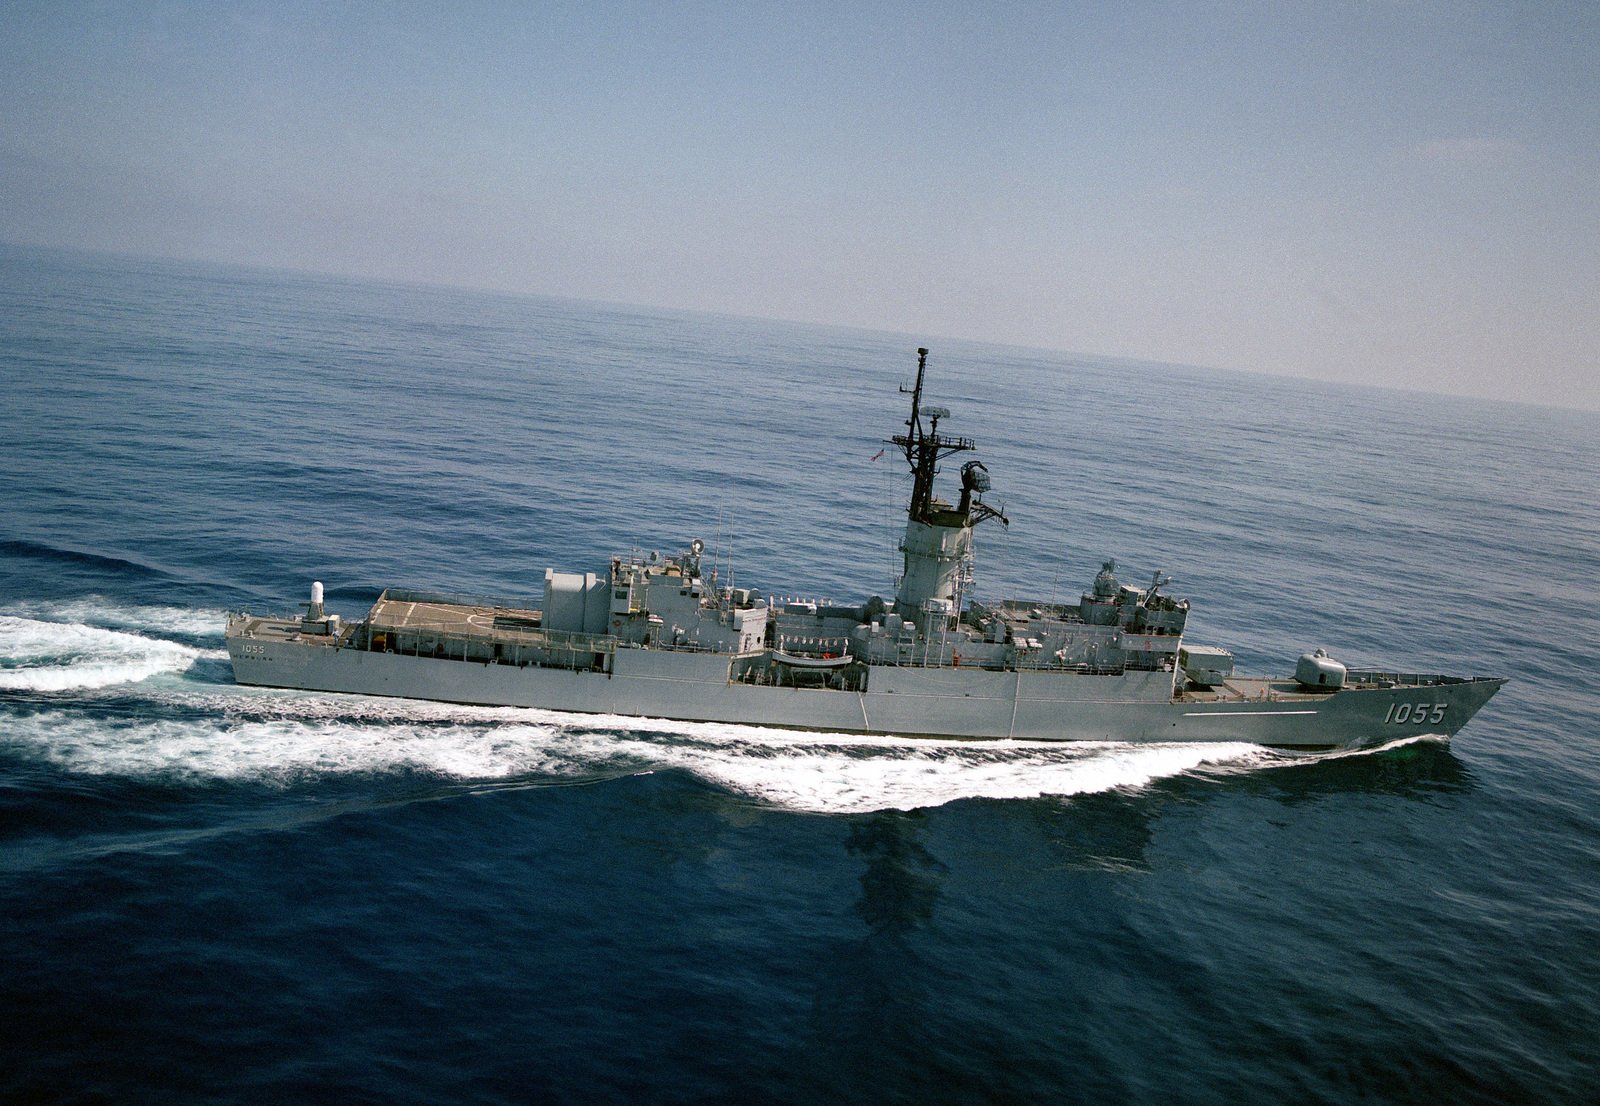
<point>654,636</point>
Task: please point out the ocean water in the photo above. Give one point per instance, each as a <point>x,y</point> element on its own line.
<point>217,894</point>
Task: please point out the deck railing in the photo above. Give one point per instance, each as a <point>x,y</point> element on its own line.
<point>413,595</point>
<point>1402,679</point>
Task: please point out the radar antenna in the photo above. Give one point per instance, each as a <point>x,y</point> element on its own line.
<point>924,448</point>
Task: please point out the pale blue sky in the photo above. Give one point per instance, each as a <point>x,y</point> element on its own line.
<point>1404,193</point>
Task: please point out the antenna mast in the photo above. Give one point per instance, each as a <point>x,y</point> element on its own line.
<point>924,448</point>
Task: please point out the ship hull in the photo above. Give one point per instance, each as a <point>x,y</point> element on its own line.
<point>906,701</point>
<point>661,637</point>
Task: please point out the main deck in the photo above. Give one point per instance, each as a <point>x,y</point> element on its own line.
<point>485,631</point>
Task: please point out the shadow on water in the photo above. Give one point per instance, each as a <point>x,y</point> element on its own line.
<point>901,881</point>
<point>871,1006</point>
<point>886,1012</point>
<point>1105,832</point>
<point>1113,831</point>
<point>1420,770</point>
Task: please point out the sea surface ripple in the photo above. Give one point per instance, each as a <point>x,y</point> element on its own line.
<point>217,893</point>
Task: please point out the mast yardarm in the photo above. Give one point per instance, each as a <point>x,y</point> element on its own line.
<point>924,448</point>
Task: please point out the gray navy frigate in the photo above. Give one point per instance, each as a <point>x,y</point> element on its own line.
<point>659,637</point>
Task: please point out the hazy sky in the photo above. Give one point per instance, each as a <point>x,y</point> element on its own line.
<point>1401,192</point>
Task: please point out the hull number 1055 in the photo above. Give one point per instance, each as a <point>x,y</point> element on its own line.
<point>1418,714</point>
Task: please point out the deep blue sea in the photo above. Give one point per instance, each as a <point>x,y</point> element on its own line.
<point>217,894</point>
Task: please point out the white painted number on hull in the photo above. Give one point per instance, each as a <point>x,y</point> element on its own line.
<point>1419,714</point>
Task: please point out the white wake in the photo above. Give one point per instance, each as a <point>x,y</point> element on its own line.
<point>180,726</point>
<point>52,656</point>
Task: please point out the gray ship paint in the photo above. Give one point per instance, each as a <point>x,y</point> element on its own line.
<point>662,637</point>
